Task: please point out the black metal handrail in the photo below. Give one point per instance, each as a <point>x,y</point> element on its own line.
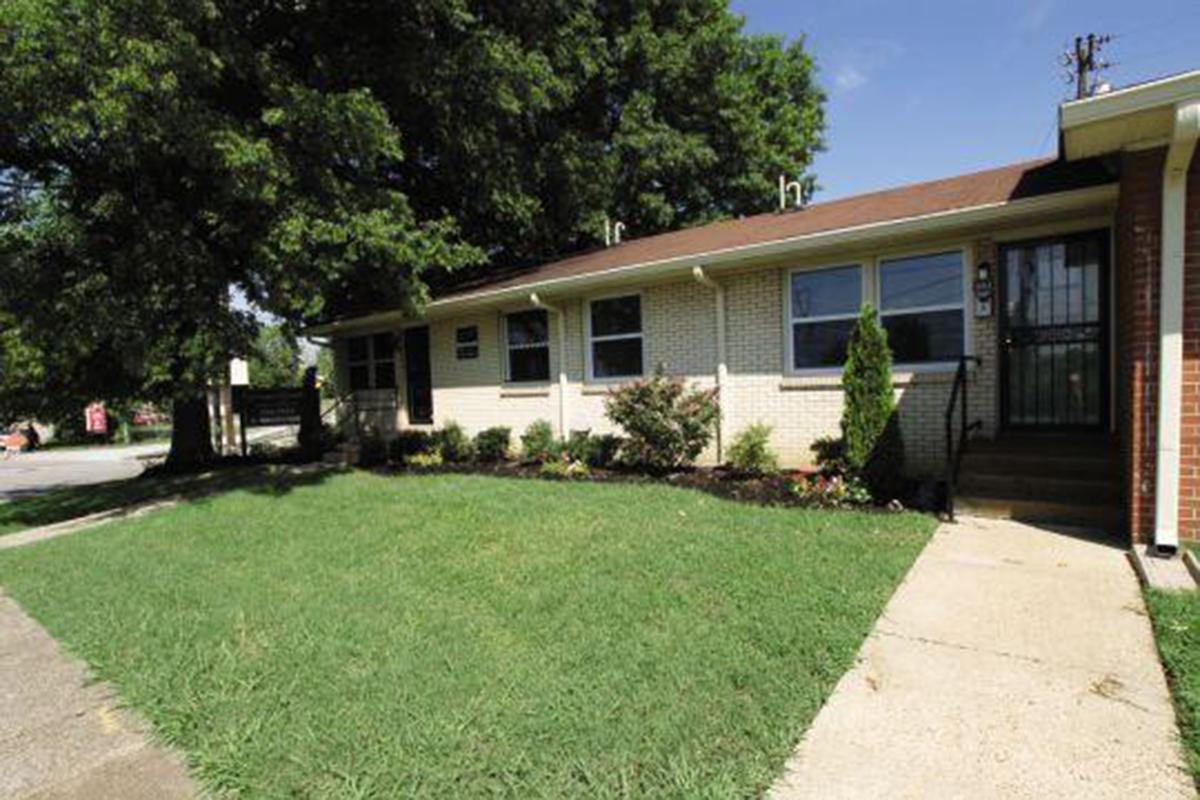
<point>954,452</point>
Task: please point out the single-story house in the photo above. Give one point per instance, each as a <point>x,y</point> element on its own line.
<point>1072,283</point>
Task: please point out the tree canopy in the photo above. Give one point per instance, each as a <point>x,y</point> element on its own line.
<point>330,156</point>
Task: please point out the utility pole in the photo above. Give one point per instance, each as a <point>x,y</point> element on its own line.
<point>1083,64</point>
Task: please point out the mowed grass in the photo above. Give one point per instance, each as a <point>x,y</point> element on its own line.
<point>1176,618</point>
<point>466,636</point>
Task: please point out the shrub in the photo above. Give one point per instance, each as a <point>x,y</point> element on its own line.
<point>372,450</point>
<point>830,452</point>
<point>604,449</point>
<point>667,425</point>
<point>563,469</point>
<point>874,448</point>
<point>751,453</point>
<point>453,443</point>
<point>579,446</point>
<point>836,491</point>
<point>425,460</point>
<point>491,445</point>
<point>408,443</point>
<point>538,443</point>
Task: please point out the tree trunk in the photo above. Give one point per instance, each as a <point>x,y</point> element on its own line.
<point>191,434</point>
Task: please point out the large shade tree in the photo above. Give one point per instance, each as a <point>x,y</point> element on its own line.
<point>331,156</point>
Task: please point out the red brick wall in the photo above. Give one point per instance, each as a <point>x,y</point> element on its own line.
<point>1137,262</point>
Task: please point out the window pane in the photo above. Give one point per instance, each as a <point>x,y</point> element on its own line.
<point>931,336</point>
<point>826,292</point>
<point>921,281</point>
<point>385,374</point>
<point>527,327</point>
<point>360,378</point>
<point>384,345</point>
<point>617,358</point>
<point>467,335</point>
<point>358,349</point>
<point>820,344</point>
<point>465,352</point>
<point>616,315</point>
<point>529,364</point>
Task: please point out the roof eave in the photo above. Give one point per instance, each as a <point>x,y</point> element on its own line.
<point>938,223</point>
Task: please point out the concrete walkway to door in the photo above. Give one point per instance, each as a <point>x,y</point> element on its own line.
<point>1013,662</point>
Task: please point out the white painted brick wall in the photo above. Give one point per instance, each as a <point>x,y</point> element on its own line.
<point>679,322</point>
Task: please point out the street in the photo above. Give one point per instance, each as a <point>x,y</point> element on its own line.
<point>42,471</point>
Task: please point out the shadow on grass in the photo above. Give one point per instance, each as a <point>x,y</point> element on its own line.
<point>275,480</point>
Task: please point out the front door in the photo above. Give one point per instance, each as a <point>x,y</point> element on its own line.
<point>1054,332</point>
<point>417,378</point>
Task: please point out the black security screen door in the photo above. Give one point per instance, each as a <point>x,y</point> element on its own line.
<point>1054,332</point>
<point>417,378</point>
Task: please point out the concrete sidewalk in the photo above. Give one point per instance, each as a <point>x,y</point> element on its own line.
<point>1013,662</point>
<point>64,737</point>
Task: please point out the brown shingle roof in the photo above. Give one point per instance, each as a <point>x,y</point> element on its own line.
<point>1013,182</point>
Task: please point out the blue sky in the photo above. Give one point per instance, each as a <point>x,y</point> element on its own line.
<point>928,89</point>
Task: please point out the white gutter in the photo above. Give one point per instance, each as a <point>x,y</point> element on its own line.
<point>1170,375</point>
<point>1131,99</point>
<point>562,360</point>
<point>947,222</point>
<point>722,359</point>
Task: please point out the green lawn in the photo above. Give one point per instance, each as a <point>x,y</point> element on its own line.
<point>1176,618</point>
<point>461,636</point>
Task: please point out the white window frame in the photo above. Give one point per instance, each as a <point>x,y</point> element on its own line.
<point>589,339</point>
<point>790,320</point>
<point>509,347</point>
<point>964,253</point>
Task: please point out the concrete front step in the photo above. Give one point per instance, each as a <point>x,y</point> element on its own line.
<point>1100,515</point>
<point>1049,463</point>
<point>1040,485</point>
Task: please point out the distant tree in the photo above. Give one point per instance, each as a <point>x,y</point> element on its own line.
<point>326,372</point>
<point>275,359</point>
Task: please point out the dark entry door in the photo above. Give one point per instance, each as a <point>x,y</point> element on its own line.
<point>1054,332</point>
<point>417,378</point>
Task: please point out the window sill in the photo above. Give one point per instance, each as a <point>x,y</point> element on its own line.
<point>515,390</point>
<point>902,375</point>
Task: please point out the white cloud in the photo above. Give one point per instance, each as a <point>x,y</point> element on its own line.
<point>855,64</point>
<point>849,78</point>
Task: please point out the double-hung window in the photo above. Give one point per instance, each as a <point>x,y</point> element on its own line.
<point>372,362</point>
<point>527,341</point>
<point>466,342</point>
<point>823,305</point>
<point>921,307</point>
<point>614,326</point>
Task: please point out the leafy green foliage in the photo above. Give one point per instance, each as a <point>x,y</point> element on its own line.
<point>832,491</point>
<point>453,443</point>
<point>410,442</point>
<point>372,450</point>
<point>553,618</point>
<point>595,450</point>
<point>491,444</point>
<point>538,443</point>
<point>667,425</point>
<point>564,468</point>
<point>156,155</point>
<point>275,359</point>
<point>874,447</point>
<point>750,452</point>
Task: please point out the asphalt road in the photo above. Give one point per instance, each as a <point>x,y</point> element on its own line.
<point>27,474</point>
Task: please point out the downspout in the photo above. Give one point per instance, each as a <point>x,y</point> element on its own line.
<point>1170,370</point>
<point>722,370</point>
<point>562,360</point>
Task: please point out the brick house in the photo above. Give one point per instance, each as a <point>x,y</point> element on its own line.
<point>1072,283</point>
